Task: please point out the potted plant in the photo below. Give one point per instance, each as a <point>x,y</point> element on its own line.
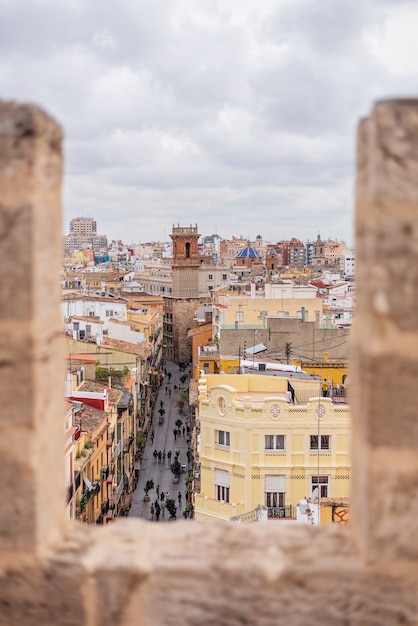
<point>140,440</point>
<point>171,508</point>
<point>148,486</point>
<point>175,467</point>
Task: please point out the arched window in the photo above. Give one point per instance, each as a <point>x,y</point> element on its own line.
<point>188,250</point>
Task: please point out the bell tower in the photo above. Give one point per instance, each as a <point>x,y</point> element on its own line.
<point>185,263</point>
<point>180,308</point>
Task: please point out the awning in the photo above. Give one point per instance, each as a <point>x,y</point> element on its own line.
<point>260,347</point>
<point>87,482</point>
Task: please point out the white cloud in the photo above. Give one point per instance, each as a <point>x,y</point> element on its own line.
<point>238,116</point>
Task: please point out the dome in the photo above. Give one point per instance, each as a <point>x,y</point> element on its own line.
<point>248,253</point>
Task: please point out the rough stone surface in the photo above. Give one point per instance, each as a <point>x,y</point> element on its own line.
<point>30,325</point>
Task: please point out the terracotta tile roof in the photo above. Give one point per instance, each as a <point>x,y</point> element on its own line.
<point>141,349</point>
<point>90,385</point>
<point>93,419</point>
<point>81,357</point>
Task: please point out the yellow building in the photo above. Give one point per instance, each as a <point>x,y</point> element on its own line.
<point>258,447</point>
<point>90,457</point>
<point>335,372</point>
<point>235,312</point>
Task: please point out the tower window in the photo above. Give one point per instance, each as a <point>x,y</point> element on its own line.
<point>187,250</point>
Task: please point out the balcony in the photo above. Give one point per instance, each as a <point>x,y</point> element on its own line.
<point>281,512</point>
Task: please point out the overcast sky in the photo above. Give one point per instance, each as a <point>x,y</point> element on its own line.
<point>237,115</point>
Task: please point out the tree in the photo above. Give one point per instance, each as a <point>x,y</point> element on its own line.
<point>148,486</point>
<point>171,508</point>
<point>175,467</point>
<point>179,423</point>
<point>140,439</point>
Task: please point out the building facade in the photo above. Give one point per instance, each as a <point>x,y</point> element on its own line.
<point>257,447</point>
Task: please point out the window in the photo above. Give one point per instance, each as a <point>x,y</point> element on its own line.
<point>223,438</point>
<point>239,316</point>
<point>224,276</point>
<point>187,250</point>
<point>274,442</point>
<point>324,442</point>
<point>222,485</point>
<point>275,490</point>
<point>109,313</point>
<point>210,276</point>
<point>321,484</point>
<point>210,288</point>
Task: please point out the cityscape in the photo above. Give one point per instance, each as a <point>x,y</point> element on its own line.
<point>207,378</point>
<point>208,318</point>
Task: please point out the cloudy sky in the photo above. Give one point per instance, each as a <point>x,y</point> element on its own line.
<point>237,115</point>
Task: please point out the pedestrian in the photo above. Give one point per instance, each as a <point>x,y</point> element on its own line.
<point>179,497</point>
<point>169,456</point>
<point>169,375</point>
<point>325,388</point>
<point>166,390</point>
<point>152,437</point>
<point>152,511</point>
<point>153,431</point>
<point>185,513</point>
<point>158,491</point>
<point>169,391</point>
<point>175,433</point>
<point>155,454</point>
<point>159,456</point>
<point>188,430</point>
<point>162,507</point>
<point>163,456</point>
<point>157,511</point>
<point>184,431</point>
<point>162,496</point>
<point>175,387</point>
<point>161,403</point>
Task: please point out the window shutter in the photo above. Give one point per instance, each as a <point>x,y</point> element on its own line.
<point>221,478</point>
<point>275,483</point>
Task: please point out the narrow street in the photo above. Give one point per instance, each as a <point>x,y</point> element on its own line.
<point>165,441</point>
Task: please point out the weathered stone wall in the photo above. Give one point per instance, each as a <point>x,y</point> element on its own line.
<point>306,339</point>
<point>139,573</point>
<point>183,313</point>
<point>31,370</point>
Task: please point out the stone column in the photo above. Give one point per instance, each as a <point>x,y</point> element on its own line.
<point>31,370</point>
<point>384,359</point>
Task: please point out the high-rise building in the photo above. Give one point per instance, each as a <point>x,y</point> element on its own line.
<point>83,226</point>
<point>83,236</point>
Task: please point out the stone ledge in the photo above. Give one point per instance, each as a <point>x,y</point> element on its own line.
<point>140,573</point>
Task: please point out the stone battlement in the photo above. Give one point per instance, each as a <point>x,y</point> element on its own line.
<point>137,573</point>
